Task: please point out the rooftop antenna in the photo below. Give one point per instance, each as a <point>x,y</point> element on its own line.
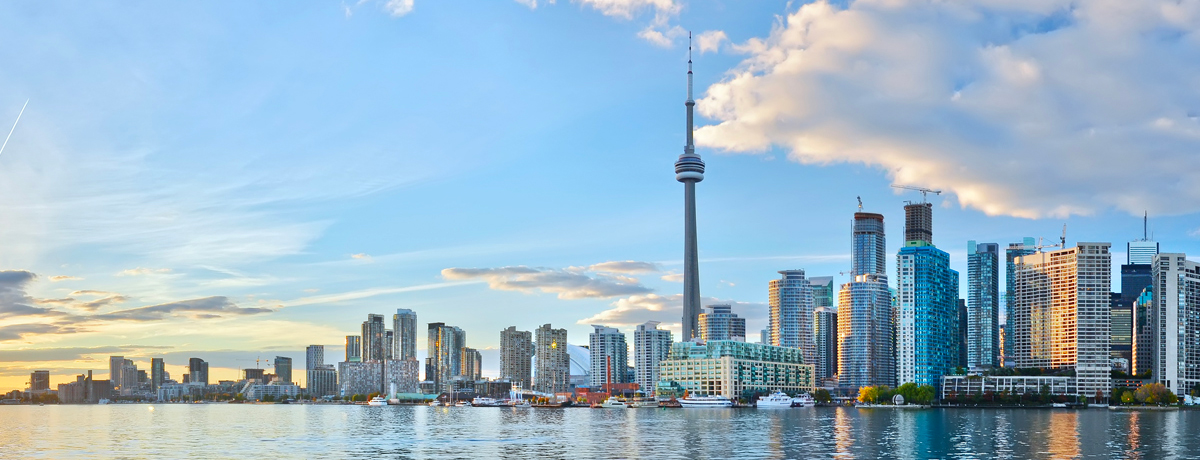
<point>14,127</point>
<point>1145,225</point>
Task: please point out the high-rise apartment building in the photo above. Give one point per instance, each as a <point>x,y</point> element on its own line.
<point>446,345</point>
<point>651,346</point>
<point>283,369</point>
<point>39,381</point>
<point>719,322</point>
<point>823,292</point>
<point>962,334</point>
<point>790,321</point>
<point>157,374</point>
<point>927,318</point>
<point>1061,313</point>
<point>1015,250</point>
<point>353,349</point>
<point>516,357</point>
<point>198,371</point>
<point>116,369</point>
<point>314,357</point>
<point>374,339</point>
<point>320,378</point>
<point>983,304</point>
<point>553,360</point>
<point>1143,333</point>
<point>1176,319</point>
<point>609,356</point>
<point>404,325</point>
<point>866,319</point>
<point>472,364</point>
<point>825,331</point>
<point>918,222</point>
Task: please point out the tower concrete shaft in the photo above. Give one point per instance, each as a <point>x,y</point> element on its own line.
<point>689,169</point>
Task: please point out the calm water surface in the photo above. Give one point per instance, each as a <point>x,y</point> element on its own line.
<point>297,431</point>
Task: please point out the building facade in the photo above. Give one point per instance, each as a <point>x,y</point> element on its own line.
<point>283,369</point>
<point>472,364</point>
<point>651,346</point>
<point>733,369</point>
<point>446,344</point>
<point>825,329</point>
<point>553,360</point>
<point>609,356</point>
<point>1061,313</point>
<point>404,326</point>
<point>157,374</point>
<point>983,305</point>
<point>1011,254</point>
<point>791,303</point>
<point>1143,333</point>
<point>719,322</point>
<point>353,348</point>
<point>516,357</point>
<point>374,339</point>
<point>927,341</point>
<point>1176,320</point>
<point>866,316</point>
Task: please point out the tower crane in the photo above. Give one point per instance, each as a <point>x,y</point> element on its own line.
<point>924,191</point>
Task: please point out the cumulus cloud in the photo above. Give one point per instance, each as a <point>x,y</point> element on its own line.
<point>1028,109</point>
<point>710,41</point>
<point>361,256</point>
<point>625,266</point>
<point>637,309</point>
<point>398,8</point>
<point>673,277</point>
<point>659,32</point>
<point>58,278</point>
<point>567,284</point>
<point>143,271</point>
<point>203,308</point>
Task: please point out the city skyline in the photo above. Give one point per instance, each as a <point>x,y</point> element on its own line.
<point>164,208</point>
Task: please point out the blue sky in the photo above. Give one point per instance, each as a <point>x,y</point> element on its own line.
<point>264,175</point>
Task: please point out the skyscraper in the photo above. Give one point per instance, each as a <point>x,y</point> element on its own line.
<point>320,378</point>
<point>198,371</point>
<point>283,369</point>
<point>825,331</point>
<point>689,169</point>
<point>720,323</point>
<point>445,354</point>
<point>353,348</point>
<point>116,367</point>
<point>404,325</point>
<point>983,304</point>
<point>472,364</point>
<point>374,338</point>
<point>1061,313</point>
<point>824,295</point>
<point>1176,307</point>
<point>609,355</point>
<point>516,356</point>
<point>157,371</point>
<point>791,318</point>
<point>39,381</point>
<point>866,328</point>
<point>651,345</point>
<point>1135,277</point>
<point>918,222</point>
<point>1142,252</point>
<point>1014,250</point>
<point>1142,320</point>
<point>314,357</point>
<point>553,360</point>
<point>927,318</point>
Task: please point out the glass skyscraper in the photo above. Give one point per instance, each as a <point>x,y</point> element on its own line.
<point>404,327</point>
<point>866,328</point>
<point>791,301</point>
<point>983,304</point>
<point>927,317</point>
<point>719,322</point>
<point>1014,250</point>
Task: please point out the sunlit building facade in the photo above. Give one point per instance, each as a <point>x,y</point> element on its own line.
<point>790,323</point>
<point>730,369</point>
<point>651,345</point>
<point>719,322</point>
<point>983,304</point>
<point>866,320</point>
<point>1176,315</point>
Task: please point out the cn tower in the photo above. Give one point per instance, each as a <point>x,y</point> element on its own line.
<point>689,169</point>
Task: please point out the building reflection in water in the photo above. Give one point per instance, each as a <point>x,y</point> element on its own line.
<point>842,432</point>
<point>1063,434</point>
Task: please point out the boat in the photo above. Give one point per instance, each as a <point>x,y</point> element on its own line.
<point>435,403</point>
<point>377,401</point>
<point>1059,405</point>
<point>804,400</point>
<point>643,403</point>
<point>695,402</point>
<point>484,402</point>
<point>462,404</point>
<point>611,403</point>
<point>521,403</point>
<point>776,400</point>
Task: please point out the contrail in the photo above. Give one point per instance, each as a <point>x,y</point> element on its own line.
<point>14,128</point>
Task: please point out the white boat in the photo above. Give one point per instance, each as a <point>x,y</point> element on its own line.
<point>611,403</point>
<point>643,403</point>
<point>521,403</point>
<point>694,402</point>
<point>776,400</point>
<point>484,402</point>
<point>377,401</point>
<point>1059,405</point>
<point>804,400</point>
<point>435,403</point>
<point>462,404</point>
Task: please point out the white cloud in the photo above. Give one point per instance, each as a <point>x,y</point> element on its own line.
<point>625,266</point>
<point>58,278</point>
<point>637,309</point>
<point>361,256</point>
<point>673,277</point>
<point>398,8</point>
<point>567,284</point>
<point>658,32</point>
<point>144,271</point>
<point>1029,109</point>
<point>532,4</point>
<point>710,41</point>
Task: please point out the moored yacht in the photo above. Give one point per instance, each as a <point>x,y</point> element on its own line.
<point>611,403</point>
<point>804,400</point>
<point>776,400</point>
<point>693,402</point>
<point>377,401</point>
<point>484,402</point>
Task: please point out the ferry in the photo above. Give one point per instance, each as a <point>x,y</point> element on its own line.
<point>693,402</point>
<point>610,403</point>
<point>776,400</point>
<point>804,400</point>
<point>377,401</point>
<point>643,403</point>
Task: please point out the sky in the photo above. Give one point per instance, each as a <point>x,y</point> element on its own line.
<point>235,181</point>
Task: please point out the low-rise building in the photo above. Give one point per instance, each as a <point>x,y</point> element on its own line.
<point>276,390</point>
<point>730,368</point>
<point>961,385</point>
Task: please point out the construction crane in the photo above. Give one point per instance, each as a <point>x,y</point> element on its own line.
<point>1062,242</point>
<point>924,191</point>
<point>859,203</point>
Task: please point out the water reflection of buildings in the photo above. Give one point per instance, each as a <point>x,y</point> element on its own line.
<point>842,432</point>
<point>1063,435</point>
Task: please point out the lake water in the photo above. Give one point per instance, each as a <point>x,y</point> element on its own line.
<point>328,431</point>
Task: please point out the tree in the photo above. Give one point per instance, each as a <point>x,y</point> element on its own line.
<point>821,395</point>
<point>875,394</point>
<point>268,398</point>
<point>1155,393</point>
<point>1127,397</point>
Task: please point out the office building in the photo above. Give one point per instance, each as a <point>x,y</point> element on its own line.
<point>730,369</point>
<point>983,305</point>
<point>198,371</point>
<point>825,331</point>
<point>1015,250</point>
<point>283,369</point>
<point>1143,333</point>
<point>1176,320</point>
<point>157,374</point>
<point>609,356</point>
<point>651,345</point>
<point>1061,313</point>
<point>790,320</point>
<point>553,368</point>
<point>866,321</point>
<point>39,381</point>
<point>404,325</point>
<point>353,348</point>
<point>927,342</point>
<point>516,357</point>
<point>689,169</point>
<point>823,292</point>
<point>1142,252</point>
<point>445,354</point>
<point>719,322</point>
<point>374,339</point>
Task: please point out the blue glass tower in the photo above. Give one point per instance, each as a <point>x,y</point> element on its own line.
<point>927,314</point>
<point>983,304</point>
